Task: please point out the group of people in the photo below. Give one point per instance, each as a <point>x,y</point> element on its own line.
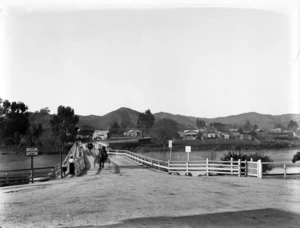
<point>100,157</point>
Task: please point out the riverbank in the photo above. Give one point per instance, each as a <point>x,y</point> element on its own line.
<point>129,195</point>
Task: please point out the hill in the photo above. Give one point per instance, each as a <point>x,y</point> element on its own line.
<point>103,122</point>
<point>92,122</point>
<point>264,121</point>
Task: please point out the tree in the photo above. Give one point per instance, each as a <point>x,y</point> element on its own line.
<point>123,126</point>
<point>292,125</point>
<point>218,126</point>
<point>200,123</point>
<point>247,126</point>
<point>13,120</point>
<point>166,129</point>
<point>114,129</point>
<point>63,125</point>
<point>145,122</point>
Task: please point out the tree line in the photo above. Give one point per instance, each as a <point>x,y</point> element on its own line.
<point>21,128</point>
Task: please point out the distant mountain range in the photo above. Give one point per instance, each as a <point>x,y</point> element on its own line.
<point>130,116</point>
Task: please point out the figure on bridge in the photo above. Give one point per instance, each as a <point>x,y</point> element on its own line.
<point>71,166</point>
<point>101,157</point>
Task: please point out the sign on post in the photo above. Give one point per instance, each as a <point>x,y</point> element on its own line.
<point>170,143</point>
<point>31,151</point>
<point>188,149</point>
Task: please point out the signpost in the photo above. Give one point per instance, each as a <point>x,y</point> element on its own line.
<point>32,152</point>
<point>188,150</point>
<point>170,146</point>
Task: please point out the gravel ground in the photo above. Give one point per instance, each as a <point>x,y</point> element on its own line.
<point>129,195</point>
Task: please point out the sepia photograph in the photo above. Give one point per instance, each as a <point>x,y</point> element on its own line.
<point>150,113</point>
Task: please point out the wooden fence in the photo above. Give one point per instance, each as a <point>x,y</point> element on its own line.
<point>204,167</point>
<point>24,176</point>
<point>283,169</point>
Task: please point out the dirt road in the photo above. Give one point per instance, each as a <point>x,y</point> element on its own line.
<point>130,195</point>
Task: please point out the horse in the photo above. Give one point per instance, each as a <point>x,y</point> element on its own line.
<point>101,158</point>
<point>296,157</point>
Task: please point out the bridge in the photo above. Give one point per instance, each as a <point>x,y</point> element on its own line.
<point>84,164</point>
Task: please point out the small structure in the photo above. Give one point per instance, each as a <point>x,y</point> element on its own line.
<point>132,133</point>
<point>100,134</point>
<point>190,134</point>
<point>225,136</point>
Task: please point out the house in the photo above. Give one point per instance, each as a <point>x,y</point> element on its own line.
<point>100,134</point>
<point>211,135</point>
<point>190,134</point>
<point>245,136</point>
<point>84,134</point>
<point>225,136</point>
<point>132,133</point>
<point>275,130</point>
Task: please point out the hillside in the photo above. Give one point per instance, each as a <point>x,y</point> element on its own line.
<point>91,122</point>
<point>264,121</point>
<point>103,122</point>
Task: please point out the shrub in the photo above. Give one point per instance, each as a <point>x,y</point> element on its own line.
<point>236,155</point>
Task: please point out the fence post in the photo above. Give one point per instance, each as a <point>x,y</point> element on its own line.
<point>31,176</point>
<point>207,174</point>
<point>239,167</point>
<point>284,168</point>
<point>187,168</point>
<point>246,168</point>
<point>7,178</point>
<point>259,169</point>
<point>231,166</point>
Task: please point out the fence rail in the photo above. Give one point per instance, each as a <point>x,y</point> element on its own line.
<point>206,167</point>
<point>24,176</point>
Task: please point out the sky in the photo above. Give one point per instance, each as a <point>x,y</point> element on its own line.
<point>197,58</point>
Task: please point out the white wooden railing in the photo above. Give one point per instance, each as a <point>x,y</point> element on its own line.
<point>207,167</point>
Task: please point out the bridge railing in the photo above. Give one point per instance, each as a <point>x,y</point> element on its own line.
<point>206,167</point>
<point>24,176</point>
<point>283,168</point>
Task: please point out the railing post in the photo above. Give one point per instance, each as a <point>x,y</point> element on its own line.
<point>259,169</point>
<point>231,166</point>
<point>284,168</point>
<point>31,176</point>
<point>7,178</point>
<point>239,167</point>
<point>246,168</point>
<point>207,173</point>
<point>187,168</point>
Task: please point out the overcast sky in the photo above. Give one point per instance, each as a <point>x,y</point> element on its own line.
<point>196,58</point>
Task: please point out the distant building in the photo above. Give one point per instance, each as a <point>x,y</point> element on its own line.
<point>100,134</point>
<point>190,134</point>
<point>211,135</point>
<point>84,134</point>
<point>225,136</point>
<point>275,130</point>
<point>132,133</point>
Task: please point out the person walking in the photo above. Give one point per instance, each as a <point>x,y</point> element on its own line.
<point>71,166</point>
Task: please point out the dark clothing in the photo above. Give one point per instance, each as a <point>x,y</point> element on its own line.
<point>71,168</point>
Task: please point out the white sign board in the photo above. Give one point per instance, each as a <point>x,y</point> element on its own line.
<point>32,151</point>
<point>188,149</point>
<point>170,143</point>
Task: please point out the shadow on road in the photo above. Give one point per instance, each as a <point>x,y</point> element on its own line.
<point>264,218</point>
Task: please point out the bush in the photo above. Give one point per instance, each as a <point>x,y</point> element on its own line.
<point>255,156</point>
